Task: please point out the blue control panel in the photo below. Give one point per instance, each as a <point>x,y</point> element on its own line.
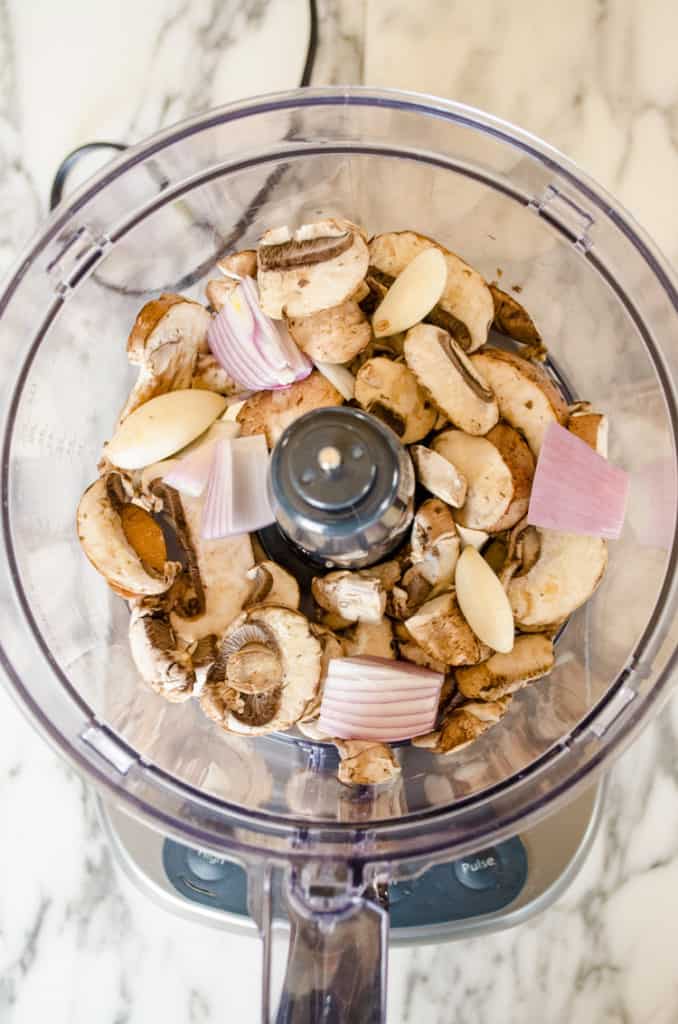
<point>482,883</point>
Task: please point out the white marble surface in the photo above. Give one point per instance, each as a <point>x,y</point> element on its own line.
<point>597,79</point>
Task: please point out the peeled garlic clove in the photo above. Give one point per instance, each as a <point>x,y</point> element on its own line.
<point>483,601</point>
<point>339,376</point>
<point>163,426</point>
<point>475,538</point>
<point>412,295</point>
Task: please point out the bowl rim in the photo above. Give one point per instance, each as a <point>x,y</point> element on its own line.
<point>532,807</point>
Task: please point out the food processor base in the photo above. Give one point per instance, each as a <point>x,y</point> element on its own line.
<point>498,887</point>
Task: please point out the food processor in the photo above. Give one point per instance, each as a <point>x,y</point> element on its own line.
<point>258,834</point>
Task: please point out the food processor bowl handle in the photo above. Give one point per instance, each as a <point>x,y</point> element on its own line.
<point>337,958</point>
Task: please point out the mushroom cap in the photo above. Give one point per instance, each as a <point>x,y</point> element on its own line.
<point>160,661</point>
<point>218,570</point>
<point>319,267</point>
<point>432,521</point>
<point>511,318</point>
<point>517,455</point>
<point>565,575</point>
<point>271,412</point>
<point>438,475</point>
<point>590,426</point>
<point>299,654</point>
<point>271,584</point>
<point>390,392</point>
<point>489,481</point>
<point>165,340</point>
<point>440,629</point>
<point>365,763</point>
<point>463,725</point>
<point>242,263</point>
<point>372,639</point>
<point>334,335</point>
<point>447,374</point>
<point>102,537</point>
<point>331,647</point>
<point>527,397</point>
<point>352,595</point>
<point>531,658</point>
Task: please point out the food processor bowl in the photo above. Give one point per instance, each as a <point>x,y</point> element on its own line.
<point>156,219</point>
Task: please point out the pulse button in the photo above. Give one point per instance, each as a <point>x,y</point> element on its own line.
<point>480,871</point>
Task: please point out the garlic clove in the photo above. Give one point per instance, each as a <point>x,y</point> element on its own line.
<point>163,426</point>
<point>483,601</point>
<point>412,295</point>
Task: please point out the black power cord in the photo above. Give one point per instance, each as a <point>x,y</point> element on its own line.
<point>69,161</point>
<point>312,48</point>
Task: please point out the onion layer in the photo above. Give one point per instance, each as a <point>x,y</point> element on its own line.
<point>379,699</point>
<point>575,489</point>
<point>256,351</point>
<point>237,499</point>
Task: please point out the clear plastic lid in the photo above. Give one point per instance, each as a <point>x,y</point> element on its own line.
<point>156,219</point>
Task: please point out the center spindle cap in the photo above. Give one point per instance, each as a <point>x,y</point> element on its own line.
<point>329,460</point>
<point>341,486</point>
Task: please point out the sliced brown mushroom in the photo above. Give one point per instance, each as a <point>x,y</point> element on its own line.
<point>442,631</point>
<point>254,668</point>
<point>331,620</point>
<point>432,521</point>
<point>524,546</point>
<point>466,298</point>
<point>267,672</point>
<point>216,573</point>
<point>270,412</point>
<point>495,554</point>
<point>565,575</point>
<point>388,572</point>
<point>412,591</point>
<point>203,654</point>
<point>531,658</point>
<point>133,561</point>
<point>527,397</point>
<point>209,375</point>
<point>318,267</point>
<point>463,725</point>
<point>590,426</point>
<point>157,654</point>
<point>242,264</point>
<point>334,335</point>
<point>271,584</point>
<point>498,470</point>
<point>409,651</point>
<point>365,763</point>
<point>512,319</point>
<point>167,336</point>
<point>448,375</point>
<point>370,639</point>
<point>438,475</point>
<point>331,648</point>
<point>435,544</point>
<point>516,454</point>
<point>351,595</point>
<point>390,392</point>
<point>389,348</point>
<point>218,290</point>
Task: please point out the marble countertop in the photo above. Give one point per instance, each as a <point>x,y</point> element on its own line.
<point>598,80</point>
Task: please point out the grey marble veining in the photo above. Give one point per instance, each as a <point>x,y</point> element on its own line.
<point>596,79</point>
